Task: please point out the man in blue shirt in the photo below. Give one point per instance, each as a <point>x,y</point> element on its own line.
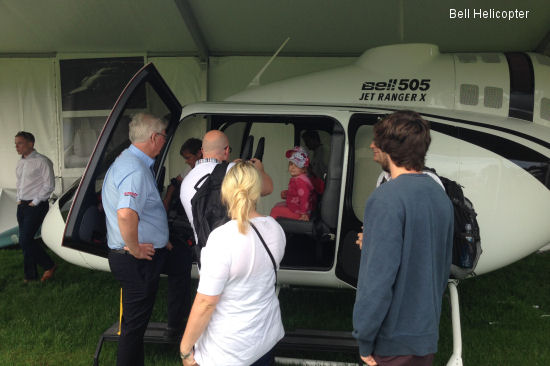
<point>406,251</point>
<point>137,231</point>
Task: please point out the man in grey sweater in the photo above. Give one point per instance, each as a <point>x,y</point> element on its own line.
<point>406,251</point>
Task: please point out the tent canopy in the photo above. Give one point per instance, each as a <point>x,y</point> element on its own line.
<point>206,28</point>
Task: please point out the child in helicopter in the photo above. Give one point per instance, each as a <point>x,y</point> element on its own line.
<point>300,194</point>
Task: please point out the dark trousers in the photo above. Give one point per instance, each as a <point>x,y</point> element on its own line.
<point>139,279</point>
<point>404,360</point>
<point>265,360</point>
<point>178,269</point>
<point>29,219</point>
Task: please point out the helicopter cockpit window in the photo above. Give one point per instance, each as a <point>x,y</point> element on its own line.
<point>190,127</point>
<point>278,137</point>
<point>310,244</point>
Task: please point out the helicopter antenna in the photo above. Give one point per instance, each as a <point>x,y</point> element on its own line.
<point>256,80</point>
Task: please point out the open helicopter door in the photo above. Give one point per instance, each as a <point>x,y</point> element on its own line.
<point>361,176</point>
<point>85,228</point>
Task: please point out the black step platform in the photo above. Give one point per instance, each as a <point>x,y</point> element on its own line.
<point>297,340</point>
<point>153,334</point>
<point>318,340</point>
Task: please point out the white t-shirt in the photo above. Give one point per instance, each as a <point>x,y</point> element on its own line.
<point>187,190</point>
<point>246,323</point>
<point>185,171</point>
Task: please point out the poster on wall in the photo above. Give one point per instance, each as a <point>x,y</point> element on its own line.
<point>96,83</point>
<point>89,90</point>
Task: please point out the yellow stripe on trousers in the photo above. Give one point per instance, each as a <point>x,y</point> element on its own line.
<point>120,316</point>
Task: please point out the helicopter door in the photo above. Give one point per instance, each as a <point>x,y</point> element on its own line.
<point>147,92</point>
<point>310,243</point>
<point>360,183</point>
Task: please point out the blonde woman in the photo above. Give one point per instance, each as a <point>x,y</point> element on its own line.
<point>235,319</point>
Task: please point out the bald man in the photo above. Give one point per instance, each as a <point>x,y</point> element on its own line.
<point>215,149</point>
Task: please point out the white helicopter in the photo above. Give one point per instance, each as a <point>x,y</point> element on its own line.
<point>490,120</point>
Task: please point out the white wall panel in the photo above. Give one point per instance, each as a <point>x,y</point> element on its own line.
<point>27,102</point>
<point>183,75</point>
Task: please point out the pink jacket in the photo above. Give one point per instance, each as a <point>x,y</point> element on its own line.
<point>299,197</point>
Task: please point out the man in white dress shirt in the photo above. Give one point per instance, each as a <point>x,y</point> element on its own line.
<point>215,149</point>
<point>35,184</point>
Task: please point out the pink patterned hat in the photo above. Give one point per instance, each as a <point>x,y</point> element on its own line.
<point>298,156</point>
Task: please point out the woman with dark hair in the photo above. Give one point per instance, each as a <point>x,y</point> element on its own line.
<point>180,256</point>
<point>190,152</point>
<point>235,319</point>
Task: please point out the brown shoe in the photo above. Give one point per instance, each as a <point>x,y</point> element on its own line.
<point>49,273</point>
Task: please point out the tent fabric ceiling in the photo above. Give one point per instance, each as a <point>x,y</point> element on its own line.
<point>258,27</point>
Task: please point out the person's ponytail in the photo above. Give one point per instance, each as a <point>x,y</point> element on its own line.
<point>241,189</point>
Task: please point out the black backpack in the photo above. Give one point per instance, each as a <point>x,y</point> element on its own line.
<point>466,240</point>
<point>206,205</point>
<point>181,232</point>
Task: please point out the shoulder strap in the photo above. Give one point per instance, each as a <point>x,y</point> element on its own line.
<point>267,249</point>
<point>203,178</point>
<point>219,171</point>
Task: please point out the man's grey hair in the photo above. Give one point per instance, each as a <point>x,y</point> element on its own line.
<point>143,125</point>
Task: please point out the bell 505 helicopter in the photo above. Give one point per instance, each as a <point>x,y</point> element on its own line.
<point>490,121</point>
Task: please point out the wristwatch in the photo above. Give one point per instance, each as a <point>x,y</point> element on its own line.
<point>186,355</point>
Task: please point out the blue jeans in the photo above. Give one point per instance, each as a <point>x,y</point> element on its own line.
<point>29,219</point>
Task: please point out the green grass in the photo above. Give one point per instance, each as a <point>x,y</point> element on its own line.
<point>59,323</point>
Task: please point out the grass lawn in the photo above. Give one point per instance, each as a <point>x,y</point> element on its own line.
<point>505,316</point>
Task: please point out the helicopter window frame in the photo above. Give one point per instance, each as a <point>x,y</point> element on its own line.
<point>86,231</point>
<point>322,255</point>
<point>347,265</point>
